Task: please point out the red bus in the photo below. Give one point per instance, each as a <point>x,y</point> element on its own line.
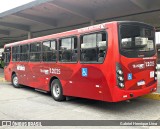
<point>112,62</point>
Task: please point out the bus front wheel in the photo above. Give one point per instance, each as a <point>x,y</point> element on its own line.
<point>57,91</point>
<point>15,82</point>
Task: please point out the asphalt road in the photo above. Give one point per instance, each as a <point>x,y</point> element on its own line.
<point>27,104</point>
<point>1,73</point>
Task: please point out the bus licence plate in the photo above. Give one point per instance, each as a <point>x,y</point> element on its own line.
<point>140,83</point>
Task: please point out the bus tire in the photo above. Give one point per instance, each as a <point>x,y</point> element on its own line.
<point>15,81</point>
<point>57,90</point>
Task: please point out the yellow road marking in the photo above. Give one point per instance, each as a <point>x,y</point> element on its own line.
<point>2,79</point>
<point>155,96</point>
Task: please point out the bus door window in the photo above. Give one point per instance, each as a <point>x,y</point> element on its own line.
<point>93,47</point>
<point>7,55</point>
<point>68,50</point>
<point>15,53</point>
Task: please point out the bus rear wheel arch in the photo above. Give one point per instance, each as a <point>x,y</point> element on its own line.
<point>57,90</point>
<point>15,81</point>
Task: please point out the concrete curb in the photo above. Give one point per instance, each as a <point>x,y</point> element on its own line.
<point>155,96</point>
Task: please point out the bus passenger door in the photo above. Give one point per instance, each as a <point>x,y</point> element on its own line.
<point>7,68</point>
<point>35,65</point>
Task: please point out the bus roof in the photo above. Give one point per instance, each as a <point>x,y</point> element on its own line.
<point>71,32</point>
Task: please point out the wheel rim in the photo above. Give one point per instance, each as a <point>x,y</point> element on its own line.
<point>56,90</point>
<point>15,81</point>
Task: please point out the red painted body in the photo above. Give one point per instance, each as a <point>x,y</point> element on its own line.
<point>101,81</point>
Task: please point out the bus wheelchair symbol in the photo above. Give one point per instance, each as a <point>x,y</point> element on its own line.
<point>130,76</point>
<point>84,72</point>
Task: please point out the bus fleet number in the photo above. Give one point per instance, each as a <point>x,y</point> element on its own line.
<point>148,64</point>
<point>54,71</point>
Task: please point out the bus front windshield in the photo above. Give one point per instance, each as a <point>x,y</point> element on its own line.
<point>136,41</point>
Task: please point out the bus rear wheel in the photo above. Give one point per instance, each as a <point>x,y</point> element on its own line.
<point>15,82</point>
<point>57,91</point>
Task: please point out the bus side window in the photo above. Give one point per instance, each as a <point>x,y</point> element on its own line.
<point>93,47</point>
<point>49,53</point>
<point>35,52</point>
<point>54,50</point>
<point>101,46</point>
<point>68,50</point>
<point>24,52</point>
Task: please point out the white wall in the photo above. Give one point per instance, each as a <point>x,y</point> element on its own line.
<point>157,37</point>
<point>1,50</point>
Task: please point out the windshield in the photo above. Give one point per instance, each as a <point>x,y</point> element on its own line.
<point>136,41</point>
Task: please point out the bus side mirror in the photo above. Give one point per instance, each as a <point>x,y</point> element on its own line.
<point>3,55</point>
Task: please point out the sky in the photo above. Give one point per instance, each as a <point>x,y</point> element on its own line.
<point>9,4</point>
